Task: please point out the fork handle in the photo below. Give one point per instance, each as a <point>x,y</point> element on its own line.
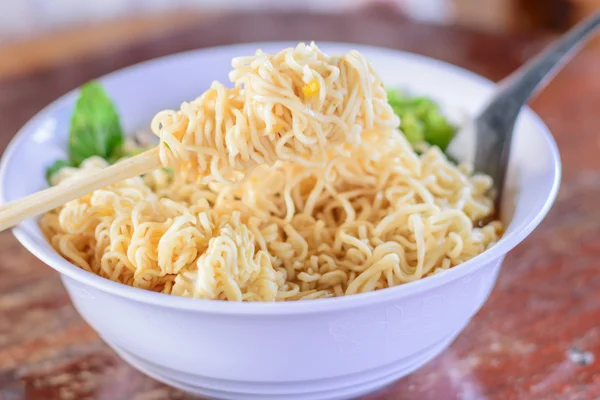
<point>534,76</point>
<point>495,124</point>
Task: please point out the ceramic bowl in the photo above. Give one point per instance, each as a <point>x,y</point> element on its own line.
<point>318,349</point>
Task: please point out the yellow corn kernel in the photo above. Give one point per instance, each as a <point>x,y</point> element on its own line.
<point>311,88</point>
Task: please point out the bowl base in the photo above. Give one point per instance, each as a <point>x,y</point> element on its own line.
<point>218,389</point>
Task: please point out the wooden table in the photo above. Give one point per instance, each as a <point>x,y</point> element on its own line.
<point>522,345</point>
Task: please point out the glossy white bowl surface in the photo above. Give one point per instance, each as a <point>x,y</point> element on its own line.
<point>323,349</point>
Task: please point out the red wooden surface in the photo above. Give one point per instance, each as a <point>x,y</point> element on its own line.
<point>547,300</point>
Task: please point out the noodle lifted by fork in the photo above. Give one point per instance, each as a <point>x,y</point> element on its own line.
<point>269,114</point>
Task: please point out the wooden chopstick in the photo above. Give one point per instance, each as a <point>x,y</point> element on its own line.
<point>45,200</point>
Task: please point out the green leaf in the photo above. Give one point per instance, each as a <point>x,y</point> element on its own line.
<point>421,119</point>
<point>395,97</point>
<point>54,168</point>
<point>438,131</point>
<point>423,107</point>
<point>413,129</point>
<point>95,126</point>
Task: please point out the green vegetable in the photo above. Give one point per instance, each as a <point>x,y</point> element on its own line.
<point>413,128</point>
<point>95,129</point>
<point>54,168</point>
<point>421,120</point>
<point>439,132</point>
<point>95,126</point>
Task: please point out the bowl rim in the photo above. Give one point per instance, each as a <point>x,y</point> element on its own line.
<point>496,252</point>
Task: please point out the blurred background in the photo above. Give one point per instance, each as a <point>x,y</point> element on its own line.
<point>37,33</point>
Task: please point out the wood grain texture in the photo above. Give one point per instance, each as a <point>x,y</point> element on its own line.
<point>27,56</point>
<point>546,302</point>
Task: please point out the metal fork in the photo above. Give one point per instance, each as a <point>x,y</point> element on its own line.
<point>486,140</point>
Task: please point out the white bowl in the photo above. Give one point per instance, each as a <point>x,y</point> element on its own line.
<point>320,349</point>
